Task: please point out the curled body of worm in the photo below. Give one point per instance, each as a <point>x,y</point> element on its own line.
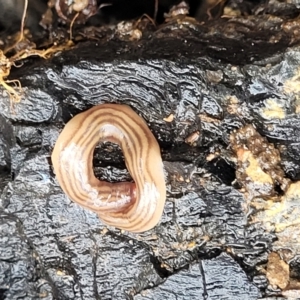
<point>135,207</point>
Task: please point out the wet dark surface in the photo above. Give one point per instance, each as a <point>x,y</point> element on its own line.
<point>195,87</point>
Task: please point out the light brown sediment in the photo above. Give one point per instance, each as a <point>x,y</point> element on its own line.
<point>135,207</point>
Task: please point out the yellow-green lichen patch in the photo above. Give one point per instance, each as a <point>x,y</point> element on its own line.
<point>273,110</point>
<point>258,168</point>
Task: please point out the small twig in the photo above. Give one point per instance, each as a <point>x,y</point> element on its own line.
<point>145,16</point>
<point>71,25</point>
<point>21,37</point>
<point>155,9</point>
<point>23,20</point>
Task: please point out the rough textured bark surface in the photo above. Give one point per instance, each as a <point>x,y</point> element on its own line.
<point>198,90</point>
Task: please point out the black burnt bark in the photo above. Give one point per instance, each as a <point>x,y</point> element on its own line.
<point>186,80</point>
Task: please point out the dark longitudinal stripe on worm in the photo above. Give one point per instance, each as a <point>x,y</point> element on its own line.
<point>107,120</point>
<point>117,126</point>
<point>96,134</point>
<point>90,138</point>
<point>140,150</point>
